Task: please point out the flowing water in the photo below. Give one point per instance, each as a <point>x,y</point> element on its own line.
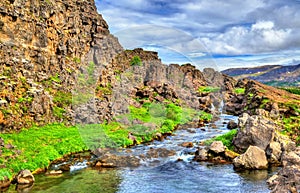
<point>161,175</point>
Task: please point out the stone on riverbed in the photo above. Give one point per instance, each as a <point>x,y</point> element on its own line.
<point>187,144</point>
<point>201,155</point>
<point>4,184</point>
<point>253,158</point>
<point>232,125</point>
<point>24,177</point>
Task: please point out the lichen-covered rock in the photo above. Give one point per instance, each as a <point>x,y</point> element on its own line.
<point>217,147</point>
<point>274,152</point>
<point>253,158</point>
<point>254,130</point>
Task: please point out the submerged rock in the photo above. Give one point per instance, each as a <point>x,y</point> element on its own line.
<point>253,158</point>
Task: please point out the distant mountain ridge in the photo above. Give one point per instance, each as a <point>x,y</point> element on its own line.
<point>274,75</point>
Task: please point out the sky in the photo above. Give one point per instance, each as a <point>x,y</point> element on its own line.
<point>209,33</point>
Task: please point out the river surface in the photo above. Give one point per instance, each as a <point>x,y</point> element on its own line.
<point>161,175</point>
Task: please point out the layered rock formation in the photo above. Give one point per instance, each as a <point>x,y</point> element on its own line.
<point>43,46</point>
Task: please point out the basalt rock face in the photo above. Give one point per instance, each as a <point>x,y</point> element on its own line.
<point>44,45</point>
<point>155,81</point>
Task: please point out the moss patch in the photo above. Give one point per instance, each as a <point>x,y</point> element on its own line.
<point>225,138</point>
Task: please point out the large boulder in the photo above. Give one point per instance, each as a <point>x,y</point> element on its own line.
<point>255,130</point>
<point>24,177</point>
<point>253,158</point>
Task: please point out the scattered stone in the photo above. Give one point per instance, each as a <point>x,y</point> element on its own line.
<point>111,160</point>
<point>217,147</point>
<point>54,172</point>
<point>187,144</point>
<point>160,152</point>
<point>105,165</point>
<point>132,138</point>
<point>253,158</point>
<point>159,137</point>
<point>1,141</point>
<point>24,177</point>
<point>9,146</point>
<point>65,167</point>
<point>232,125</point>
<point>201,155</point>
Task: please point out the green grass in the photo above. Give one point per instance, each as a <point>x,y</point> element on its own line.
<point>225,138</point>
<point>291,123</point>
<point>62,98</point>
<point>38,147</point>
<point>239,90</point>
<point>208,89</point>
<point>136,61</point>
<point>293,90</point>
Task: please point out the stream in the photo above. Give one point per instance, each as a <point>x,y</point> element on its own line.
<point>173,174</point>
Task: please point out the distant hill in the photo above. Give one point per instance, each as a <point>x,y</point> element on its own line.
<point>274,75</point>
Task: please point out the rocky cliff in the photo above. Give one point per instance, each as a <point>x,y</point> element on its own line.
<point>44,44</point>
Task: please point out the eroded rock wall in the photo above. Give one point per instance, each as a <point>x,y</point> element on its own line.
<point>43,44</point>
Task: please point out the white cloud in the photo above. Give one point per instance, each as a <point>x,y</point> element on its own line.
<point>262,25</point>
<point>231,27</point>
<point>261,37</point>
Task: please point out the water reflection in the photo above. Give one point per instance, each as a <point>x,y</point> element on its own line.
<point>84,181</point>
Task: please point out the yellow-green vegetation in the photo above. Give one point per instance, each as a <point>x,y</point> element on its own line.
<point>136,61</point>
<point>264,102</point>
<point>86,83</point>
<point>294,90</point>
<point>225,138</point>
<point>239,90</point>
<point>208,89</point>
<point>291,123</point>
<point>61,101</point>
<point>36,147</point>
<point>104,90</point>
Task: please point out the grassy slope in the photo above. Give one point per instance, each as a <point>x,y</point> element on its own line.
<point>36,147</point>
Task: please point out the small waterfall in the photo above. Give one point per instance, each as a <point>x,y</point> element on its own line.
<point>221,106</point>
<point>213,108</point>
